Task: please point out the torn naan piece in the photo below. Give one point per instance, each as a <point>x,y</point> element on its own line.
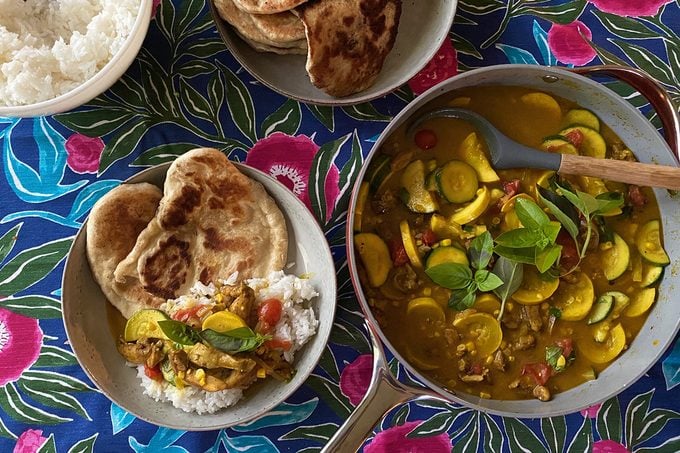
<point>244,24</point>
<point>212,221</point>
<point>301,49</point>
<point>348,41</point>
<point>112,230</point>
<point>267,6</point>
<point>280,27</point>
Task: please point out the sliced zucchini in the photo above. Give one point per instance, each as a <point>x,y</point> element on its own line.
<point>472,153</point>
<point>592,143</point>
<point>457,182</point>
<point>473,210</point>
<point>410,244</point>
<point>575,300</point>
<point>641,302</point>
<point>483,330</point>
<point>606,351</point>
<point>510,220</point>
<point>378,171</point>
<point>448,254</point>
<point>144,323</point>
<point>648,242</point>
<point>431,180</point>
<point>601,308</point>
<point>168,372</point>
<point>416,196</point>
<point>361,205</point>
<point>615,260</point>
<point>650,274</point>
<point>487,303</point>
<point>376,257</point>
<point>444,228</point>
<point>548,107</point>
<point>534,288</point>
<point>558,144</point>
<point>582,117</point>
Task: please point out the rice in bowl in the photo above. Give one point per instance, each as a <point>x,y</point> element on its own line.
<point>50,47</point>
<point>297,324</point>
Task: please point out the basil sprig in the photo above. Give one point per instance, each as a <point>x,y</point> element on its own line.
<point>237,340</point>
<point>460,278</point>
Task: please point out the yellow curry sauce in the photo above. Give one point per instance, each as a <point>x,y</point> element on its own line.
<point>560,328</point>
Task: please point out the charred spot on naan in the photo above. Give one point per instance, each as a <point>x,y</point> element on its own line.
<point>164,271</point>
<point>178,213</point>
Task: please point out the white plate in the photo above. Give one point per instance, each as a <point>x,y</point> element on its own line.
<point>85,318</point>
<point>422,30</point>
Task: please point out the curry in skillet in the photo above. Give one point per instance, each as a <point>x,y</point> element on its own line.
<point>506,284</point>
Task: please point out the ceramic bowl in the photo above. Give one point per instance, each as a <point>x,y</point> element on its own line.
<point>421,32</point>
<point>100,82</point>
<point>85,318</point>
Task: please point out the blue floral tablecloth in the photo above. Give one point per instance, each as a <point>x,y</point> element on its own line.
<point>186,90</point>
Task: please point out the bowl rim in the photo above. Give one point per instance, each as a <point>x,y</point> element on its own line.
<point>143,176</point>
<point>468,400</point>
<point>91,88</point>
<point>353,99</point>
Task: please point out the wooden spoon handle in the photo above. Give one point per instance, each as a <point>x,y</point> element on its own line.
<point>622,171</point>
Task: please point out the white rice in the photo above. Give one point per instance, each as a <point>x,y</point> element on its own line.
<point>298,324</point>
<point>49,47</point>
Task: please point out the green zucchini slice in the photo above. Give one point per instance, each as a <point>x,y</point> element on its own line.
<point>457,182</point>
<point>447,254</point>
<point>615,260</point>
<point>558,144</point>
<point>415,195</point>
<point>592,143</point>
<point>641,302</point>
<point>651,273</point>
<point>601,308</point>
<point>648,242</point>
<point>582,117</point>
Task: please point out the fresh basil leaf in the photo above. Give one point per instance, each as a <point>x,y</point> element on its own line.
<point>521,255</point>
<point>530,214</point>
<point>551,230</point>
<point>450,275</point>
<point>546,258</point>
<point>487,280</point>
<point>519,238</point>
<point>228,343</point>
<point>462,299</point>
<point>608,201</point>
<point>589,201</point>
<point>555,312</point>
<point>511,273</point>
<point>481,250</point>
<point>606,233</point>
<point>179,332</point>
<point>575,200</point>
<point>552,353</point>
<point>241,332</point>
<point>561,209</point>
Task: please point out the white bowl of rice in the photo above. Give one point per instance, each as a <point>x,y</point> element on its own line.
<point>56,55</point>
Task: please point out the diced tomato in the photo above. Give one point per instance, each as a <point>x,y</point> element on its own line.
<point>567,346</point>
<point>425,139</point>
<point>398,252</point>
<point>511,187</point>
<point>153,373</point>
<point>476,368</point>
<point>277,343</point>
<point>269,314</point>
<point>429,238</point>
<point>635,195</point>
<point>540,372</point>
<point>569,257</point>
<point>575,137</point>
<point>184,314</point>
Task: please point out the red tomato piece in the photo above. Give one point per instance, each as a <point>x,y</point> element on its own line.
<point>511,187</point>
<point>398,252</point>
<point>635,196</point>
<point>540,372</point>
<point>429,238</point>
<point>425,139</point>
<point>269,313</point>
<point>575,137</point>
<point>184,314</point>
<point>276,343</point>
<point>569,257</point>
<point>153,373</point>
<point>567,346</point>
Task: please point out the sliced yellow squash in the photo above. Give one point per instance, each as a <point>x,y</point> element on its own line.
<point>375,255</point>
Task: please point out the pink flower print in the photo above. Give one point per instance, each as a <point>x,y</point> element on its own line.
<point>20,343</point>
<point>608,446</point>
<point>394,440</point>
<point>630,8</point>
<point>289,160</point>
<point>154,7</point>
<point>356,377</point>
<point>570,43</point>
<point>83,153</point>
<point>591,412</point>
<point>443,65</point>
<point>30,441</point>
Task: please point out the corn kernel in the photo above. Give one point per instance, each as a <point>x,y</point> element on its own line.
<point>219,297</point>
<point>200,375</point>
<point>561,361</point>
<point>445,242</point>
<point>179,382</point>
<point>427,292</point>
<point>488,360</point>
<point>470,346</point>
<point>509,306</point>
<point>484,395</point>
<point>261,373</point>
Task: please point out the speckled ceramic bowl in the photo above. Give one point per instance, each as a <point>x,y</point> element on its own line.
<point>421,32</point>
<point>85,318</point>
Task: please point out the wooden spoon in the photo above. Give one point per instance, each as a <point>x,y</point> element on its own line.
<point>507,153</point>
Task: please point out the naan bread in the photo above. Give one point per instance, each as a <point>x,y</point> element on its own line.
<point>300,49</point>
<point>267,6</point>
<point>246,26</point>
<point>212,221</point>
<point>348,42</point>
<point>112,229</point>
<point>280,27</point>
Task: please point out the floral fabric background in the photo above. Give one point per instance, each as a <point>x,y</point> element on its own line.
<point>187,90</point>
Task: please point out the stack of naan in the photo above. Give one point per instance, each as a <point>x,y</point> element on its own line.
<point>210,221</point>
<point>346,41</point>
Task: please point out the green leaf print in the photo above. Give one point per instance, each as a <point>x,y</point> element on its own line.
<point>583,440</point>
<point>204,48</point>
<point>329,364</point>
<point>554,431</point>
<point>365,112</point>
<point>286,119</point>
<point>194,102</point>
<point>481,7</point>
<point>38,307</point>
<point>647,61</point>
<point>122,145</point>
<point>437,424</point>
<point>161,154</point>
<point>401,415</point>
<point>240,104</point>
<point>8,240</point>
<point>195,68</point>
<point>469,441</point>
<point>624,27</point>
<point>521,438</point>
<point>49,446</point>
<point>321,165</point>
<point>609,421</point>
<point>561,14</point>
<point>31,265</point>
<point>96,123</point>
<point>189,11</point>
<point>318,433</point>
<point>493,437</point>
<point>330,393</point>
<point>5,432</point>
<point>643,424</point>
<point>16,407</point>
<point>84,446</point>
<point>325,115</point>
<point>50,398</point>
<point>52,356</point>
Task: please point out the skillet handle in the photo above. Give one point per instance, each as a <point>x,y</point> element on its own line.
<point>651,90</point>
<point>384,392</point>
